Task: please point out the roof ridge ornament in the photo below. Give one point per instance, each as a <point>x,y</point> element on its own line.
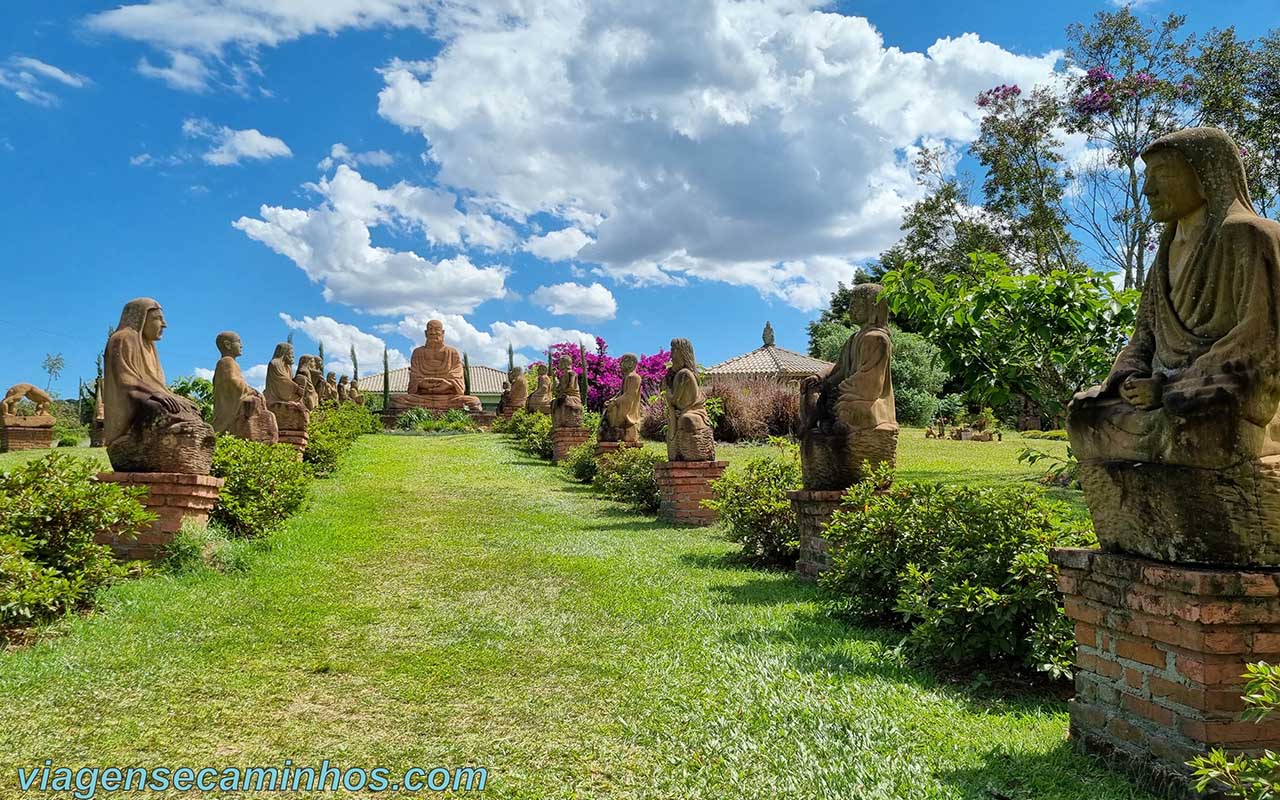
<point>768,334</point>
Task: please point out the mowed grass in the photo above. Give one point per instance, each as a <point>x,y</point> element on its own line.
<point>447,601</point>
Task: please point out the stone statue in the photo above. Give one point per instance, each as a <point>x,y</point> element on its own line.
<point>344,388</point>
<point>847,417</point>
<point>1179,447</point>
<point>99,412</point>
<point>689,435</point>
<point>238,408</point>
<point>621,419</point>
<point>20,391</point>
<point>353,394</point>
<point>308,380</point>
<point>540,401</point>
<point>331,384</point>
<point>519,388</point>
<point>287,398</point>
<point>566,409</point>
<point>436,381</point>
<point>147,427</point>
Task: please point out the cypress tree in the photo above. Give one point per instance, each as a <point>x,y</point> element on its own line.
<point>355,365</point>
<point>386,380</point>
<point>466,374</point>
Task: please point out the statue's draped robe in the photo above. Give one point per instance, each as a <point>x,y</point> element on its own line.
<point>519,392</point>
<point>1213,333</point>
<point>280,387</point>
<point>685,398</point>
<point>132,365</point>
<point>442,362</point>
<point>229,391</point>
<point>864,382</point>
<point>623,411</point>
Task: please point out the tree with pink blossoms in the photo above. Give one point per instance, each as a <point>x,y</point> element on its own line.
<point>604,380</point>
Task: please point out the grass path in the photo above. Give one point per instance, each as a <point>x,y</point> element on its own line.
<point>446,601</point>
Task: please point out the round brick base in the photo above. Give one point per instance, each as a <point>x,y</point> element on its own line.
<point>813,512</point>
<point>1161,649</point>
<point>565,439</point>
<point>173,497</point>
<point>683,485</point>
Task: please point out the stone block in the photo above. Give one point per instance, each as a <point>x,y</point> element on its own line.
<point>25,433</point>
<point>173,497</point>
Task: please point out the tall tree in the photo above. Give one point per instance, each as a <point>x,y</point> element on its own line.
<point>53,365</point>
<point>1130,89</point>
<point>355,364</point>
<point>321,355</point>
<point>386,380</point>
<point>1026,177</point>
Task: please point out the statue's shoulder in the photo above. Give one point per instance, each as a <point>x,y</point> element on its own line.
<point>1252,225</point>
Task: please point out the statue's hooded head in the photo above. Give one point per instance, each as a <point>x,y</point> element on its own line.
<point>343,380</point>
<point>628,363</point>
<point>284,351</point>
<point>435,333</point>
<point>1215,160</point>
<point>332,377</point>
<point>682,355</point>
<point>514,372</point>
<point>144,316</point>
<point>866,307</point>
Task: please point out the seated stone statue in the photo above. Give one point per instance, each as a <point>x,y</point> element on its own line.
<point>848,418</point>
<point>621,419</point>
<point>238,408</point>
<point>689,434</point>
<point>1179,447</point>
<point>287,398</point>
<point>566,409</point>
<point>308,379</point>
<point>344,388</point>
<point>331,388</point>
<point>540,401</point>
<point>354,395</point>
<point>436,381</point>
<point>519,391</point>
<point>25,391</point>
<point>148,428</point>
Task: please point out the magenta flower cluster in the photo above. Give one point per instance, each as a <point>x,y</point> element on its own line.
<point>603,377</point>
<point>1098,76</point>
<point>998,95</point>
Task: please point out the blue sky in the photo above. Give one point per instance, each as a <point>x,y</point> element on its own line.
<point>347,169</point>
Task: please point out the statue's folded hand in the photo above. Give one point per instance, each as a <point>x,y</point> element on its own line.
<point>1142,393</point>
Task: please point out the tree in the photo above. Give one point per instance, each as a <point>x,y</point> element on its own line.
<point>1237,88</point>
<point>53,364</point>
<point>198,389</point>
<point>321,356</point>
<point>386,380</point>
<point>1132,89</point>
<point>355,365</point>
<point>1025,176</point>
<point>511,358</point>
<point>1042,337</point>
<point>466,374</point>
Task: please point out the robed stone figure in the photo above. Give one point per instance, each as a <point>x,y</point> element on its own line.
<point>689,434</point>
<point>287,398</point>
<point>621,419</point>
<point>238,408</point>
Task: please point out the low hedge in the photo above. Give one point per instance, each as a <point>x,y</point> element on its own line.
<point>265,485</point>
<point>626,475</point>
<point>755,510</point>
<point>332,431</point>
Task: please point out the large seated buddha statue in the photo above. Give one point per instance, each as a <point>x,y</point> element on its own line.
<point>435,377</point>
<point>1179,447</point>
<point>148,428</point>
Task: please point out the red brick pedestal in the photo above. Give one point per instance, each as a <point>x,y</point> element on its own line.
<point>173,497</point>
<point>483,419</point>
<point>298,439</point>
<point>25,433</point>
<point>813,512</point>
<point>565,439</point>
<point>683,485</point>
<point>609,447</point>
<point>1161,651</point>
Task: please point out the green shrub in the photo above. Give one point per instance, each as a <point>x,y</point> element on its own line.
<point>626,475</point>
<point>915,407</point>
<point>591,421</point>
<point>754,508</point>
<point>332,431</point>
<point>205,548</point>
<point>265,485</point>
<point>964,570</point>
<point>918,378</point>
<point>531,432</point>
<point>952,407</point>
<point>653,423</point>
<point>1052,436</point>
<point>50,511</point>
<point>1246,777</point>
<point>454,420</point>
<point>580,462</point>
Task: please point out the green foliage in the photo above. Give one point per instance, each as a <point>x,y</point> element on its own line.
<point>1059,470</point>
<point>715,410</point>
<point>198,389</point>
<point>265,485</point>
<point>918,378</point>
<point>754,508</point>
<point>1003,335</point>
<point>53,365</point>
<point>531,432</point>
<point>580,462</point>
<point>1053,436</point>
<point>205,548</point>
<point>626,475</point>
<point>386,379</point>
<point>1246,777</point>
<point>454,420</point>
<point>826,339</point>
<point>591,420</point>
<point>951,407</point>
<point>68,431</point>
<point>50,511</point>
<point>332,431</point>
<point>964,571</point>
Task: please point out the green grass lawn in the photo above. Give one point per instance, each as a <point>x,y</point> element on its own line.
<point>448,601</point>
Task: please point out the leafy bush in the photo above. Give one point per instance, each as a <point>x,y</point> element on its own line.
<point>197,389</point>
<point>531,432</point>
<point>332,431</point>
<point>50,511</point>
<point>1246,777</point>
<point>754,509</point>
<point>626,475</point>
<point>754,409</point>
<point>952,407</point>
<point>964,570</point>
<point>1059,471</point>
<point>420,419</point>
<point>1052,436</point>
<point>68,431</point>
<point>580,462</point>
<point>591,421</point>
<point>265,485</point>
<point>202,548</point>
<point>915,407</point>
<point>918,378</point>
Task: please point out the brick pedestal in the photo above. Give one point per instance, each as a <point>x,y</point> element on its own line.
<point>609,447</point>
<point>683,485</point>
<point>1161,651</point>
<point>298,439</point>
<point>813,512</point>
<point>565,439</point>
<point>173,497</point>
<point>25,433</point>
<point>483,419</point>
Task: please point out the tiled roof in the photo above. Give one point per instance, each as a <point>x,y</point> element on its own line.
<point>771,361</point>
<point>484,380</point>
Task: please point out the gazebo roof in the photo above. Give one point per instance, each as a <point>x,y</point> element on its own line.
<point>769,360</point>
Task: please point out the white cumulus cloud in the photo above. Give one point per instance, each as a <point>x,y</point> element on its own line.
<point>338,338</point>
<point>230,146</point>
<point>34,81</point>
<point>593,302</point>
<point>341,154</point>
<point>560,245</point>
<point>489,347</point>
